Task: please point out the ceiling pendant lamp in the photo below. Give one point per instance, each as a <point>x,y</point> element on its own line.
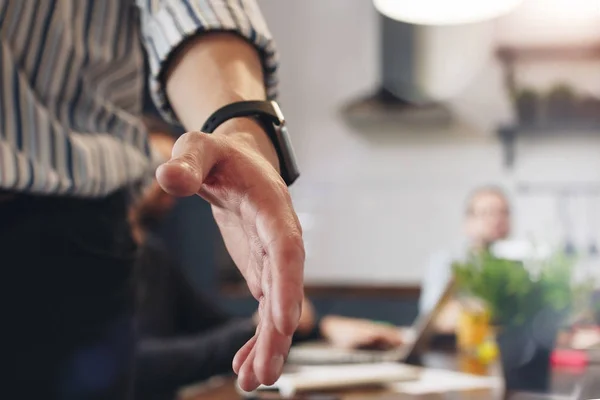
<point>444,12</point>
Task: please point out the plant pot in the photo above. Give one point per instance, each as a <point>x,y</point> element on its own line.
<point>525,351</point>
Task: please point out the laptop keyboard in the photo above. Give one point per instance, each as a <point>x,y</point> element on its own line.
<point>319,356</point>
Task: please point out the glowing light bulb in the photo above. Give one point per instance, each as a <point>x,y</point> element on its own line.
<point>444,12</point>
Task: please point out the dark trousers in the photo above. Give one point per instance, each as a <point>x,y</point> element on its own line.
<point>67,318</point>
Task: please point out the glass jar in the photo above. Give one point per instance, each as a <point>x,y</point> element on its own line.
<point>474,332</point>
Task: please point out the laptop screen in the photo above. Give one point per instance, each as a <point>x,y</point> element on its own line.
<point>423,326</point>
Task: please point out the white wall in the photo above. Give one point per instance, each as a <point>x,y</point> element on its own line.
<point>374,211</point>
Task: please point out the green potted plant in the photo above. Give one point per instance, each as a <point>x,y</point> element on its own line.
<point>528,303</point>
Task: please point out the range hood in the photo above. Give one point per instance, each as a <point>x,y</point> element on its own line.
<point>421,69</point>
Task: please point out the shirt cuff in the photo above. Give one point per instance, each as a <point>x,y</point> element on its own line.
<point>156,159</point>
<point>167,27</point>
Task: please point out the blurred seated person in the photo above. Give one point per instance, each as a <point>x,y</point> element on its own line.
<point>487,221</point>
<point>186,338</point>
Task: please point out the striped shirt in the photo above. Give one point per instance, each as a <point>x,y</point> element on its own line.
<point>72,78</point>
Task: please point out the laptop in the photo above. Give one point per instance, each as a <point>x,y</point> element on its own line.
<point>418,336</point>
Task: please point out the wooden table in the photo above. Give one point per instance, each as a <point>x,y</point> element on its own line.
<point>566,384</point>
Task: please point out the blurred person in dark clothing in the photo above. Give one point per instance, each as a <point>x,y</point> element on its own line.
<point>72,146</point>
<point>184,337</point>
<point>486,222</point>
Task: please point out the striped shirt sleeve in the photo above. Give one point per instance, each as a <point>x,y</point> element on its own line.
<point>166,24</point>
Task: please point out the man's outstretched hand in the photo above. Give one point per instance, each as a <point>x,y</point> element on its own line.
<point>253,209</point>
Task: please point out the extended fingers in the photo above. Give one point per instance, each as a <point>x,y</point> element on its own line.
<point>243,362</point>
<point>247,379</point>
<point>261,360</point>
<point>243,354</point>
<point>287,290</point>
<point>271,349</point>
<point>279,232</point>
<point>396,337</point>
<point>389,337</point>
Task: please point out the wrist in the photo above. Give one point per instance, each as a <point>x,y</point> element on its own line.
<point>249,132</point>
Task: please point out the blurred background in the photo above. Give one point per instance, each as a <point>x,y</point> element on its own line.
<point>394,124</point>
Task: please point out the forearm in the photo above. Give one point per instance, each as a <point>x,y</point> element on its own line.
<point>214,70</point>
<point>328,324</point>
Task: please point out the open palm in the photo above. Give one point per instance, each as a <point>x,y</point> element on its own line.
<point>253,209</point>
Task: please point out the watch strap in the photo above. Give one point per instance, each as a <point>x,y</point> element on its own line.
<point>250,108</point>
<point>270,118</point>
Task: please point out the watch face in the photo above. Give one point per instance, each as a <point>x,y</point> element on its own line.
<point>287,153</point>
<point>279,114</point>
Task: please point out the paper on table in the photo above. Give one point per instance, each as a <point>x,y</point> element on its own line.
<point>585,339</point>
<point>306,378</point>
<point>438,380</point>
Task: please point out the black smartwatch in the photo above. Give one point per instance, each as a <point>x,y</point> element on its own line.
<point>269,116</point>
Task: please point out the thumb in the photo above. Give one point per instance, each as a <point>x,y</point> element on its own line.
<point>193,156</point>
